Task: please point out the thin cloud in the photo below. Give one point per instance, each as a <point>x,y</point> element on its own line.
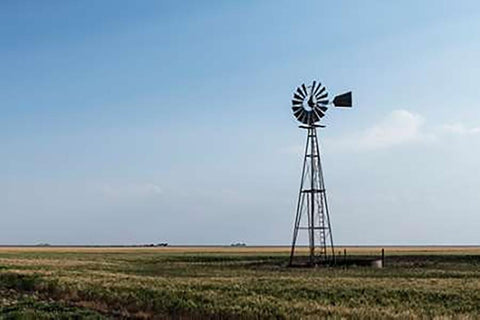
<point>398,128</point>
<point>459,129</point>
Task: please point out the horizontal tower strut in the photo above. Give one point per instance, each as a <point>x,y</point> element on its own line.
<point>314,228</point>
<point>313,191</point>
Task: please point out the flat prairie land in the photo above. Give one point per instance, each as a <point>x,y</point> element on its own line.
<point>370,250</point>
<point>235,283</point>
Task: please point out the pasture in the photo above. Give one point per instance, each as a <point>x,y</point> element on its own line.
<point>235,283</point>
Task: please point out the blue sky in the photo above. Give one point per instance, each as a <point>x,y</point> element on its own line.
<point>138,122</point>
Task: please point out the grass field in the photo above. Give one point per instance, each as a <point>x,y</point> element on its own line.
<point>235,283</point>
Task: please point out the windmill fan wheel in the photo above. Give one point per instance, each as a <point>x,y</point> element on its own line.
<point>309,103</point>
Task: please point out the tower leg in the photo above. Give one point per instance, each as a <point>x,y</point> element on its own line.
<point>311,225</point>
<point>298,215</point>
<point>325,204</point>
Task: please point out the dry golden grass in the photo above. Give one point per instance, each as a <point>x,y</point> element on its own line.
<point>248,282</point>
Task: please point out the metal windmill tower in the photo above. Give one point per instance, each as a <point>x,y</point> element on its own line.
<point>309,105</point>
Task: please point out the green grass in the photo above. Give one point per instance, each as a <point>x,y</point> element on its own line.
<point>228,285</point>
<point>31,309</point>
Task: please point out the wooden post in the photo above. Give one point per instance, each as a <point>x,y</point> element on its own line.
<point>345,257</point>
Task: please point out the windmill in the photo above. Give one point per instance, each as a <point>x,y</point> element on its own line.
<point>309,105</point>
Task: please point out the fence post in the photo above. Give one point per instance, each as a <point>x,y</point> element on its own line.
<point>383,257</point>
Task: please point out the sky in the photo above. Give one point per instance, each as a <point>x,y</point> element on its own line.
<point>129,122</point>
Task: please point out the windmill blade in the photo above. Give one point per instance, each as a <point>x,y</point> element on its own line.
<point>313,89</point>
<point>304,90</point>
<point>319,112</point>
<point>299,113</point>
<point>318,87</point>
<point>311,117</point>
<point>297,110</point>
<point>321,91</point>
<point>298,97</point>
<point>307,117</point>
<point>303,117</point>
<point>314,117</point>
<point>343,100</point>
<point>322,102</point>
<point>320,97</point>
<point>323,108</point>
<point>300,93</point>
<point>296,102</point>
